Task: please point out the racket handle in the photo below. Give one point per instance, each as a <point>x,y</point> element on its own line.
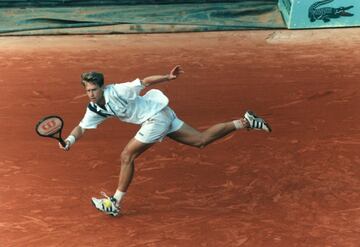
<point>62,142</point>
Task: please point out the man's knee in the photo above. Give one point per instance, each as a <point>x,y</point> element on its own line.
<point>126,157</point>
<point>200,142</point>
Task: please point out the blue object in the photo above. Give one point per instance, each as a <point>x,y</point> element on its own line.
<point>300,14</point>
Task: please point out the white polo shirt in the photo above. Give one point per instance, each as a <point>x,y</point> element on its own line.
<point>123,101</point>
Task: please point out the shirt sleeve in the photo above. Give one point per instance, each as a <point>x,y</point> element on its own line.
<point>129,90</point>
<point>91,120</point>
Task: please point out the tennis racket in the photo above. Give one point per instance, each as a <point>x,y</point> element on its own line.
<point>51,126</point>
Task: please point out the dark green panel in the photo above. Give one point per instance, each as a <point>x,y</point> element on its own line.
<point>141,18</point>
<point>69,3</point>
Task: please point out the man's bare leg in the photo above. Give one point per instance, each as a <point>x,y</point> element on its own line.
<point>111,205</point>
<point>132,150</point>
<point>191,136</point>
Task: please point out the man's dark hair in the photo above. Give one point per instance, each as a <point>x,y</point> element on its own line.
<point>92,77</point>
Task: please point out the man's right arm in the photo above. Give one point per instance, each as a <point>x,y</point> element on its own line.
<point>75,134</point>
<point>90,121</point>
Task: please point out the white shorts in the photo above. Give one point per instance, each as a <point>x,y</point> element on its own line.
<point>156,128</point>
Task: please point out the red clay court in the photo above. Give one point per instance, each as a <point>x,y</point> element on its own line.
<point>298,186</point>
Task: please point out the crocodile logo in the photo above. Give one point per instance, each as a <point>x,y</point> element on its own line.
<point>327,13</point>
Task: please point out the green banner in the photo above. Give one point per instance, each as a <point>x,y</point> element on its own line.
<point>148,18</point>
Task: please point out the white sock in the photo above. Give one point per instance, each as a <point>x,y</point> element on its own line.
<point>239,124</point>
<point>118,196</point>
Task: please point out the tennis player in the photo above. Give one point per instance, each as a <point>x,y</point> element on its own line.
<point>156,118</point>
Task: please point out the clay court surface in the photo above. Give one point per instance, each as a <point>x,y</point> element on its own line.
<point>298,186</point>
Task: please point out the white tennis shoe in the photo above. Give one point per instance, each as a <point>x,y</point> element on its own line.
<point>256,122</point>
<point>106,205</point>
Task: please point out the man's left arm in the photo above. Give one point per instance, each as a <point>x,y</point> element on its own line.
<point>154,79</point>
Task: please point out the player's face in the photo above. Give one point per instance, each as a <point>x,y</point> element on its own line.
<point>94,92</point>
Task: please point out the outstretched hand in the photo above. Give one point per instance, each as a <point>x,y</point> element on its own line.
<point>175,72</point>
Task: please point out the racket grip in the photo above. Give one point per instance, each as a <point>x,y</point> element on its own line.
<point>62,142</point>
